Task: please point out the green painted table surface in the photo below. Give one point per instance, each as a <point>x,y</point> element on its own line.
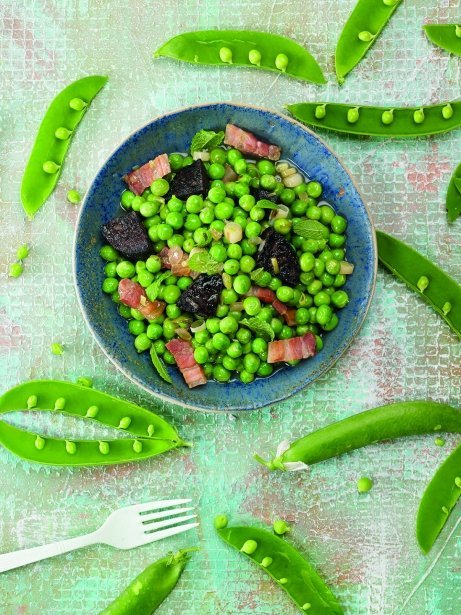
<point>364,546</point>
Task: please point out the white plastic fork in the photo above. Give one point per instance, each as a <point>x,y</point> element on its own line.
<point>125,528</point>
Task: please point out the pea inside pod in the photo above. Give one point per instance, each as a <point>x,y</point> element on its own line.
<point>445,36</point>
<point>81,401</point>
<point>152,434</point>
<point>453,200</point>
<point>361,30</point>
<point>53,139</point>
<point>150,588</point>
<point>260,50</point>
<point>431,283</point>
<point>397,122</point>
<point>383,423</point>
<point>287,567</point>
<point>438,500</point>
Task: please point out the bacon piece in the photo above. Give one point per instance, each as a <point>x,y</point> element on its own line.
<point>140,179</point>
<point>292,349</point>
<point>248,143</point>
<point>132,294</point>
<point>176,260</point>
<point>266,295</point>
<point>288,314</point>
<point>183,353</point>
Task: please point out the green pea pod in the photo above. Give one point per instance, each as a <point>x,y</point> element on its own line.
<point>145,594</point>
<point>447,36</point>
<point>453,201</point>
<point>398,122</point>
<point>53,139</point>
<point>361,30</point>
<point>153,435</point>
<point>286,566</point>
<point>244,48</point>
<point>384,423</point>
<point>438,500</point>
<point>431,283</point>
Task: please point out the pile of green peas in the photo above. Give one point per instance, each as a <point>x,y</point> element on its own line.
<point>224,347</point>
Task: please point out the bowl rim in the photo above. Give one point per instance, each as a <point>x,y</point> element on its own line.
<point>125,371</point>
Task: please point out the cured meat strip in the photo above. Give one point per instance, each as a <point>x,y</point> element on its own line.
<point>288,314</point>
<point>292,349</point>
<point>132,294</point>
<point>183,353</point>
<point>248,143</point>
<point>140,179</point>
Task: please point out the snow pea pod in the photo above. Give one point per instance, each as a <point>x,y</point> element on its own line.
<point>438,500</point>
<point>370,121</point>
<point>384,423</point>
<point>286,566</point>
<point>431,283</point>
<point>361,30</point>
<point>150,588</point>
<point>453,200</point>
<point>446,36</point>
<point>152,434</point>
<point>53,139</point>
<point>244,48</point>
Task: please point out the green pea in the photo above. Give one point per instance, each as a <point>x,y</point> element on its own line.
<point>336,241</point>
<point>418,116</point>
<point>50,167</point>
<point>16,270</point>
<point>110,285</point>
<point>235,349</point>
<point>176,161</point>
<point>353,115</point>
<point>57,349</point>
<point>365,36</point>
<point>286,333</point>
<point>247,263</point>
<point>218,155</point>
<point>154,263</point>
<point>254,57</point>
<point>136,327</point>
<point>322,298</point>
<point>266,562</point>
<point>77,104</point>
<point>364,484</point>
<point>228,325</point>
<point>332,324</point>
<point>62,133</point>
<point>246,377</point>
<point>282,225</point>
<point>201,355</point>
<point>242,284</point>
<point>284,294</point>
<point>268,182</point>
<point>387,117</point>
<point>252,305</point>
<point>320,111</point>
<point>159,187</point>
<point>221,374</point>
<point>220,522</point>
<point>447,111</point>
<point>154,331</point>
<point>249,547</point>
<point>324,314</point>
<point>73,196</point>
<point>221,341</point>
<point>338,224</point>
<point>223,210</point>
<point>126,269</point>
<point>422,283</point>
<point>243,335</point>
<point>281,62</point>
<point>265,369</point>
<point>216,194</point>
<point>225,55</point>
<point>340,299</point>
<point>216,170</point>
<point>314,189</point>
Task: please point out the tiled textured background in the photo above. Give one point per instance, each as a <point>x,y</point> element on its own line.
<point>363,546</point>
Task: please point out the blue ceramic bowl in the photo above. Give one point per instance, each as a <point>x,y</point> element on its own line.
<point>171,133</point>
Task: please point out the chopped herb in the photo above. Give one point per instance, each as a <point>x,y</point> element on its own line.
<point>155,286</point>
<point>202,262</point>
<point>206,139</point>
<point>266,204</point>
<point>159,365</point>
<point>260,327</point>
<point>309,229</point>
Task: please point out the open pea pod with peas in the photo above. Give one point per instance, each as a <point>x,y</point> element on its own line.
<point>260,50</point>
<point>285,564</point>
<point>53,139</point>
<point>150,434</point>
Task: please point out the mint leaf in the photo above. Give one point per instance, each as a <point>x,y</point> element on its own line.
<point>206,139</point>
<point>309,229</point>
<point>266,204</point>
<point>159,365</point>
<point>261,328</point>
<point>153,289</point>
<point>202,262</point>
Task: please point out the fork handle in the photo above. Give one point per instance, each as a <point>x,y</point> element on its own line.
<point>15,559</point>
